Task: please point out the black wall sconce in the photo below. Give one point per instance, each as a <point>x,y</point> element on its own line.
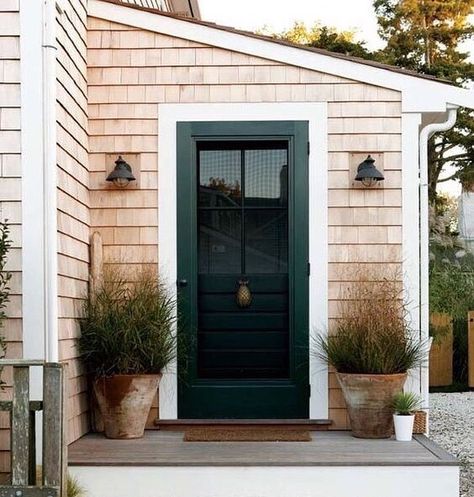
<point>368,174</point>
<point>122,174</point>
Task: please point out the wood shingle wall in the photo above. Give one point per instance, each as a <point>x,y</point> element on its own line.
<point>130,71</point>
<point>73,198</point>
<point>10,192</point>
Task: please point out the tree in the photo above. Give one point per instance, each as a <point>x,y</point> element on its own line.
<point>427,36</point>
<point>325,37</point>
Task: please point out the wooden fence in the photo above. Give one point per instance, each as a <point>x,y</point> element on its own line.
<point>23,415</point>
<point>441,353</point>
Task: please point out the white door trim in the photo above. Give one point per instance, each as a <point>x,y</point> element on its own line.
<point>316,115</point>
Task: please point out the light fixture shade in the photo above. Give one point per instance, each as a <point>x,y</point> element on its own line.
<point>367,173</point>
<point>122,173</point>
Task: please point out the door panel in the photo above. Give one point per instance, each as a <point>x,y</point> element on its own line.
<point>237,227</point>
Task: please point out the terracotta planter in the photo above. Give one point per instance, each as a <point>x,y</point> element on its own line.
<point>124,403</point>
<point>368,399</point>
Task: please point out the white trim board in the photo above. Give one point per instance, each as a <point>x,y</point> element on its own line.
<point>34,303</point>
<point>316,115</point>
<point>32,168</point>
<point>411,230</point>
<point>268,481</point>
<point>419,95</point>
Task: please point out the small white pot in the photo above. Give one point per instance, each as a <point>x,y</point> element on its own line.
<point>403,427</point>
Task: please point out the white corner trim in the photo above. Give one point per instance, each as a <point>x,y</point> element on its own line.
<point>33,245</point>
<point>316,115</point>
<point>38,160</point>
<point>419,95</point>
<point>50,180</point>
<point>411,230</point>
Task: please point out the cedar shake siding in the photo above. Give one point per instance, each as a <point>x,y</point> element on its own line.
<point>132,71</point>
<point>10,194</point>
<point>73,199</point>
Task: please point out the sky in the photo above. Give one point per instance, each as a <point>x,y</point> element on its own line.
<point>279,14</point>
<point>354,15</point>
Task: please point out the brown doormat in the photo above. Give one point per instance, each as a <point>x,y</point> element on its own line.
<point>216,434</point>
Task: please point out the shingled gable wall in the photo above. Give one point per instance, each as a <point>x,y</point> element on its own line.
<point>130,71</point>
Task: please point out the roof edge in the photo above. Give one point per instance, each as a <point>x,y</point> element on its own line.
<point>378,74</point>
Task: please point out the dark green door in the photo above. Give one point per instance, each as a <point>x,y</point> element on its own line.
<point>242,192</point>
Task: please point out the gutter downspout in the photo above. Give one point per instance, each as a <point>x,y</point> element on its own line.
<point>425,134</point>
<point>49,51</point>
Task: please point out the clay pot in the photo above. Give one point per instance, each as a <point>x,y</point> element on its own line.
<point>124,402</point>
<point>368,399</point>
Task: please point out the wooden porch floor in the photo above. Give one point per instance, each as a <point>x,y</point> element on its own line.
<point>330,448</point>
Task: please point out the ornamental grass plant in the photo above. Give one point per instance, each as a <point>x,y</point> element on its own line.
<point>406,403</point>
<point>372,334</point>
<point>128,327</point>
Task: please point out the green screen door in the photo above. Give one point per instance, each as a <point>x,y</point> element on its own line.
<point>242,270</point>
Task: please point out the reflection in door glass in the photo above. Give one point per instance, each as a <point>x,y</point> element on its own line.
<point>220,181</point>
<point>266,241</point>
<point>219,241</point>
<point>266,177</point>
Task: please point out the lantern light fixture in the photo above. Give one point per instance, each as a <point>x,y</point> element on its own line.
<point>122,174</point>
<point>367,173</point>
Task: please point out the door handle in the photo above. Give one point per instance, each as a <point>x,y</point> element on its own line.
<point>182,283</point>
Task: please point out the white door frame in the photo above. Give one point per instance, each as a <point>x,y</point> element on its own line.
<point>316,115</point>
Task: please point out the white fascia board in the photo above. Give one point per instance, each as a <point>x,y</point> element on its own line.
<point>419,95</point>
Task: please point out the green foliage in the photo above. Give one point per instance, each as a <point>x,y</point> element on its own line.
<point>451,266</point>
<point>371,334</point>
<point>324,37</point>
<point>451,289</point>
<point>451,281</point>
<point>5,277</point>
<point>427,36</point>
<point>127,328</point>
<point>406,403</point>
<point>424,35</point>
<point>74,488</point>
<point>438,333</point>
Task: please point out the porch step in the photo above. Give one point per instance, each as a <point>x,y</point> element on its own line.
<point>332,464</point>
<point>280,424</point>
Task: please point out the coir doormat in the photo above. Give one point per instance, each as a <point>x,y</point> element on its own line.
<point>216,434</point>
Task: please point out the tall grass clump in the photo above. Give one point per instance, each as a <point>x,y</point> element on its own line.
<point>128,328</point>
<point>372,334</point>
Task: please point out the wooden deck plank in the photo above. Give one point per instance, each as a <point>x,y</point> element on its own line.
<point>326,449</point>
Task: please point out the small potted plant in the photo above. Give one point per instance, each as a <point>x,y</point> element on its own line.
<point>127,338</point>
<point>405,404</point>
<point>371,348</point>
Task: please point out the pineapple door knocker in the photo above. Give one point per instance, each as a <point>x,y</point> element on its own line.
<point>243,296</point>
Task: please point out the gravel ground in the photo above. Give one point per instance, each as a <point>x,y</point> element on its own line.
<point>452,427</point>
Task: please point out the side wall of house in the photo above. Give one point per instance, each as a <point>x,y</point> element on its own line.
<point>132,71</point>
<point>73,198</point>
<point>10,192</point>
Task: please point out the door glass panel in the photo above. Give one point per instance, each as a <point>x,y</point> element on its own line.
<point>266,241</point>
<point>220,183</point>
<point>266,177</point>
<point>220,241</point>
